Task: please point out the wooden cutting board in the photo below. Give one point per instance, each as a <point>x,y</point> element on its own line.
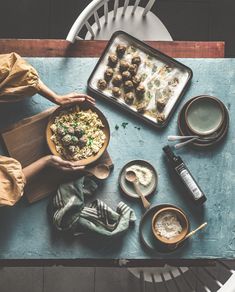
<point>26,142</point>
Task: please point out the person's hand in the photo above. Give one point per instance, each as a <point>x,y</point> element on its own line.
<point>59,163</point>
<point>73,98</point>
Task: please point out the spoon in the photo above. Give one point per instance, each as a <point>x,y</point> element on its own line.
<point>180,145</point>
<point>132,178</point>
<point>191,233</point>
<point>101,171</point>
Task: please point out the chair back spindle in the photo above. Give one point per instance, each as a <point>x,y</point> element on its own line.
<point>148,7</point>
<point>126,3</point>
<point>89,28</point>
<point>106,12</point>
<point>136,4</point>
<point>97,20</point>
<point>115,8</point>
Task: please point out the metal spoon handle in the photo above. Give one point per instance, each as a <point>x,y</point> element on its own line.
<point>145,202</point>
<point>195,230</point>
<point>174,138</point>
<point>180,145</point>
<point>190,234</point>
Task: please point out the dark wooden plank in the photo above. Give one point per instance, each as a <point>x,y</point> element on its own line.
<point>185,20</point>
<point>223,23</point>
<point>115,280</point>
<point>62,48</point>
<point>63,15</point>
<point>67,279</point>
<point>21,279</point>
<point>24,19</point>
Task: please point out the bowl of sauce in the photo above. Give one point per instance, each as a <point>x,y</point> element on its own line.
<point>170,225</point>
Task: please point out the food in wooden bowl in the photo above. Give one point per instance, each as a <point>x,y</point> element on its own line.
<point>78,133</point>
<point>170,225</point>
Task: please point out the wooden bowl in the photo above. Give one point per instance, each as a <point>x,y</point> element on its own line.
<point>181,216</point>
<point>83,106</point>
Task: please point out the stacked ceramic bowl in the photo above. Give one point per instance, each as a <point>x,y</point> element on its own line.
<point>205,117</point>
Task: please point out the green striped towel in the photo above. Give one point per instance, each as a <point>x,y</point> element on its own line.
<point>69,213</point>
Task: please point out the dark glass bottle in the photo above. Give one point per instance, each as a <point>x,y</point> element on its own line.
<point>185,176</point>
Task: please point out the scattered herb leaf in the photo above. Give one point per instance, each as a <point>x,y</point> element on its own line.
<point>138,128</point>
<point>90,141</point>
<point>124,124</point>
<point>149,95</point>
<point>116,127</point>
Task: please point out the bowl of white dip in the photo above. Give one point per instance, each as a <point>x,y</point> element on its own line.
<point>170,225</point>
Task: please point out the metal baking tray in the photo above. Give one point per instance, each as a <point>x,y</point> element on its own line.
<point>163,78</point>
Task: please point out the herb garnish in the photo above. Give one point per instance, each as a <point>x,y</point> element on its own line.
<point>124,124</point>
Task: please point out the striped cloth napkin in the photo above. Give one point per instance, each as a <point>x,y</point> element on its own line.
<point>69,213</point>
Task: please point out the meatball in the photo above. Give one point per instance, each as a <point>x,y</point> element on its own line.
<point>108,74</point>
<point>74,140</point>
<point>102,84</point>
<point>120,50</point>
<point>61,131</point>
<point>67,140</point>
<point>78,131</point>
<point>126,75</point>
<point>128,86</point>
<point>174,82</point>
<point>136,60</point>
<point>141,107</point>
<point>161,103</point>
<point>161,117</point>
<point>136,80</point>
<point>82,142</point>
<point>117,80</point>
<point>70,130</point>
<point>116,91</point>
<point>112,60</point>
<point>133,69</point>
<point>129,98</point>
<point>140,91</point>
<point>124,65</point>
<point>72,149</point>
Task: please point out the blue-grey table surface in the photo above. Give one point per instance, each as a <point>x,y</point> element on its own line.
<point>25,230</point>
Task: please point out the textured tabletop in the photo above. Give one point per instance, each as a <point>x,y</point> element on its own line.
<point>25,231</point>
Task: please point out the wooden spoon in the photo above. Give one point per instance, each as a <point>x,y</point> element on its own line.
<point>101,171</point>
<point>132,178</point>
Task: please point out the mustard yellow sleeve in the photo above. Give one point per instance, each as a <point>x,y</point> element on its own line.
<point>18,79</point>
<point>12,181</point>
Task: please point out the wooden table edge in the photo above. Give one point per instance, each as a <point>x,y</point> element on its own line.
<point>121,263</point>
<point>94,48</point>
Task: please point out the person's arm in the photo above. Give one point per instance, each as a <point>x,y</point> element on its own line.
<point>50,160</point>
<point>69,98</point>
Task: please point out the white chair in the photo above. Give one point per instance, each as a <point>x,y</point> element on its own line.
<point>137,21</point>
<point>188,279</point>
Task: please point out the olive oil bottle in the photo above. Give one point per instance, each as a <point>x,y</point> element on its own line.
<point>185,176</point>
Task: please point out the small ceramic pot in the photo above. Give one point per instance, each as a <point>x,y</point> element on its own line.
<point>204,115</point>
<point>181,216</point>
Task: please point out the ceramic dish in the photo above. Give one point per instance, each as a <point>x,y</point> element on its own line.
<point>204,115</point>
<point>163,80</point>
<point>146,234</point>
<point>83,107</point>
<point>210,140</point>
<point>128,189</point>
<point>182,219</point>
